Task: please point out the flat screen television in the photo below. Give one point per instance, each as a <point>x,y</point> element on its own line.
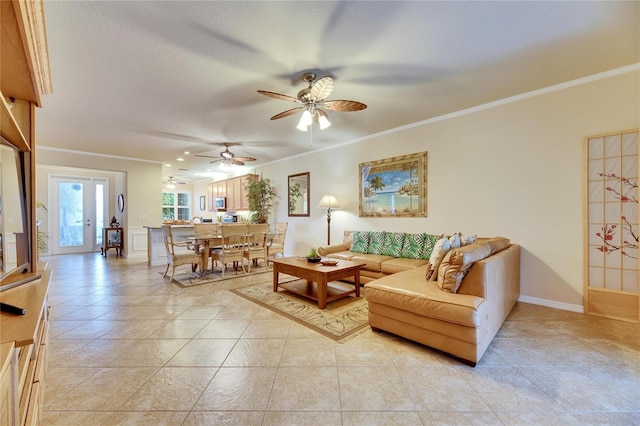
<point>15,229</point>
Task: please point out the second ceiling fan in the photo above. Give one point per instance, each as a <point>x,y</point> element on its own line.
<point>227,157</point>
<point>314,102</point>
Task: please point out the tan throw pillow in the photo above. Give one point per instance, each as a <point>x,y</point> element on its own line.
<point>439,251</point>
<point>456,264</point>
<point>498,244</point>
<point>348,238</point>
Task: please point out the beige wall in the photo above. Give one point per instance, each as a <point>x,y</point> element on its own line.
<point>513,170</point>
<point>142,177</point>
<point>143,204</point>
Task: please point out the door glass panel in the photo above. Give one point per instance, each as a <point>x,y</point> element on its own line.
<point>99,209</point>
<point>71,214</point>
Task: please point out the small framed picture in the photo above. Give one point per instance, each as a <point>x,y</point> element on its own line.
<point>202,203</point>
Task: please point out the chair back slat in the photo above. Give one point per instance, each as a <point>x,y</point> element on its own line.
<point>206,229</point>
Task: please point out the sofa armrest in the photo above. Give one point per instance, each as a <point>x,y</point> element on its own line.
<point>501,269</point>
<point>324,251</point>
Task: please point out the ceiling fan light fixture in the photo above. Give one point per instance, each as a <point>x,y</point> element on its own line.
<point>171,186</point>
<point>305,121</point>
<point>323,119</point>
<point>226,165</point>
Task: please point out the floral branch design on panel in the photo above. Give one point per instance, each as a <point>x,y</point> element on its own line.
<point>627,194</point>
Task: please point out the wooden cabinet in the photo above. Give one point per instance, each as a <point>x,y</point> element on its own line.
<point>24,79</point>
<point>233,189</point>
<point>211,188</point>
<point>244,201</point>
<point>8,370</point>
<point>112,238</point>
<point>23,352</point>
<point>215,190</point>
<point>233,194</point>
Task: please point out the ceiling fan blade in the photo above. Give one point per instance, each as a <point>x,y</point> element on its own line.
<point>322,88</point>
<point>287,113</point>
<point>244,158</point>
<point>342,105</point>
<point>236,162</point>
<point>206,156</point>
<point>278,96</point>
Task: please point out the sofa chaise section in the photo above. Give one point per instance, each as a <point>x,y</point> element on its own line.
<point>462,324</point>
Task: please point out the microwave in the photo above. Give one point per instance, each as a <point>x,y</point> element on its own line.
<point>220,203</point>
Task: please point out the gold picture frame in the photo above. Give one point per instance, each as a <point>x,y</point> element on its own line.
<point>394,187</point>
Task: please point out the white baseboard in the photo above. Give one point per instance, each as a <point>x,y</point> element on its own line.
<point>552,304</point>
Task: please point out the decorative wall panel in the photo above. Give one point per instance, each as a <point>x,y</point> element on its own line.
<point>611,226</point>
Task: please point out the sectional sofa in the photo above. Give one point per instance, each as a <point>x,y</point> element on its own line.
<point>454,299</point>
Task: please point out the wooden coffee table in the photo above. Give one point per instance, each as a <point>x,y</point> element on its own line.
<point>317,281</point>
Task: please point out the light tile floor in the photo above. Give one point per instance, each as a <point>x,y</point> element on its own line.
<point>127,347</point>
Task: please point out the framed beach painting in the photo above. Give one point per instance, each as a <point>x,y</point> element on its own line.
<point>394,187</point>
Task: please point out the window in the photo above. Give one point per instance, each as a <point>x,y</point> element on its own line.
<point>176,206</point>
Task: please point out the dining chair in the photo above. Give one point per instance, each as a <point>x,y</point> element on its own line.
<point>232,248</point>
<point>179,252</point>
<point>256,244</point>
<point>276,243</point>
<point>204,230</point>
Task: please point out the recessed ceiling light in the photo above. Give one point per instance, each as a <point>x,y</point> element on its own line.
<point>168,165</point>
<point>187,153</point>
<point>180,159</point>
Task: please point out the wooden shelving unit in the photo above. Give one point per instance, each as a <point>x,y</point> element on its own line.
<point>23,352</point>
<point>24,79</point>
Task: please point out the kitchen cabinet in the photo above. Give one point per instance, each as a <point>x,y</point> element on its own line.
<point>233,190</point>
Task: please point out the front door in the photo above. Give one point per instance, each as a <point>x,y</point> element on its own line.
<point>77,214</point>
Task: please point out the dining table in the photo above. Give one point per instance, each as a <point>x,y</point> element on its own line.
<point>207,241</point>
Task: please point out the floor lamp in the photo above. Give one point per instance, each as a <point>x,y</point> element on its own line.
<point>329,202</point>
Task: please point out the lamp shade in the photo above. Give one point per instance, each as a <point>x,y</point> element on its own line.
<point>305,121</point>
<point>323,119</point>
<point>328,202</point>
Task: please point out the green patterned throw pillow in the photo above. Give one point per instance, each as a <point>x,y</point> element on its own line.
<point>392,243</point>
<point>360,242</point>
<point>413,246</point>
<point>429,244</point>
<point>375,242</point>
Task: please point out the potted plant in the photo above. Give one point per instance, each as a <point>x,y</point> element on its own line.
<point>260,193</point>
<point>42,237</point>
<point>313,256</point>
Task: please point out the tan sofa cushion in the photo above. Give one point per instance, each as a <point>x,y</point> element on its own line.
<point>372,261</point>
<point>409,291</point>
<point>344,255</point>
<point>457,262</point>
<point>393,266</point>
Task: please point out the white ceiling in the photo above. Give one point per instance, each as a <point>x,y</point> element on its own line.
<point>150,80</point>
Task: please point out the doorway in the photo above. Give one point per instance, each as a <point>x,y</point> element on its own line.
<point>78,210</point>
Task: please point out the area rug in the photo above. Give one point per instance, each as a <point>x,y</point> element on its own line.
<point>340,319</point>
<point>186,278</point>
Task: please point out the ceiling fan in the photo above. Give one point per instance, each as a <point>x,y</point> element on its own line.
<point>175,182</point>
<point>314,102</point>
<point>227,157</point>
<point>171,183</point>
